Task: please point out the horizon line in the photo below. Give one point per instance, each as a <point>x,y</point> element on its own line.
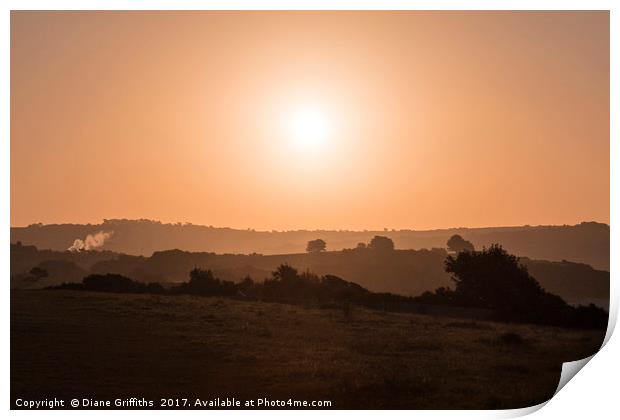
<point>385,229</point>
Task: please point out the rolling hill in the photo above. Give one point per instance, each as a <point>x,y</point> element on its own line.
<point>586,243</point>
<point>405,272</point>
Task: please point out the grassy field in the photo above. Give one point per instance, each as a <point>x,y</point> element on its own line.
<point>78,344</point>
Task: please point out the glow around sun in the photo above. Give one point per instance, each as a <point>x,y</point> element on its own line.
<point>309,128</point>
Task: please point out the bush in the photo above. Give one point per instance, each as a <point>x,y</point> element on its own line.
<point>113,283</point>
<point>203,282</point>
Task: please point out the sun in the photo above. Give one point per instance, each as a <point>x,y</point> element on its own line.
<point>309,128</point>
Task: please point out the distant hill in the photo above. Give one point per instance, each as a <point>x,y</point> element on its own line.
<point>587,242</point>
<point>405,272</point>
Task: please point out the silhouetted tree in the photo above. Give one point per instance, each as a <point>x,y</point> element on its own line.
<point>201,279</point>
<point>494,279</point>
<point>381,243</point>
<point>203,282</point>
<point>457,244</point>
<point>490,278</point>
<point>285,273</point>
<point>246,287</point>
<point>246,283</point>
<point>316,245</point>
<point>361,245</point>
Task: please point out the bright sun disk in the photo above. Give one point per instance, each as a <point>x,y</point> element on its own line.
<point>309,128</point>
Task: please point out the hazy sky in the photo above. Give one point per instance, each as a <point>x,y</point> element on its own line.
<point>310,119</point>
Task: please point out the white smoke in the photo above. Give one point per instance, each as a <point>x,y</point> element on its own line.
<point>90,242</point>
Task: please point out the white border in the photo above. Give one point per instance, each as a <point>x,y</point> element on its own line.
<point>592,395</point>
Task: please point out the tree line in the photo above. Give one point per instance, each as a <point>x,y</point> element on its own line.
<point>490,279</point>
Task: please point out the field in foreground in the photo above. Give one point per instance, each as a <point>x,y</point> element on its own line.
<point>76,344</point>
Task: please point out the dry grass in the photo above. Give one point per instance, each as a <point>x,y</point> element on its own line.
<point>73,344</point>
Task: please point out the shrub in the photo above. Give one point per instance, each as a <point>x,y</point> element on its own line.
<point>113,283</point>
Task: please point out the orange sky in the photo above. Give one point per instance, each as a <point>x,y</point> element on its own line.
<point>431,119</point>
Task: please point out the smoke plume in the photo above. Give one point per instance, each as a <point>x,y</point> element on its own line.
<point>90,242</point>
